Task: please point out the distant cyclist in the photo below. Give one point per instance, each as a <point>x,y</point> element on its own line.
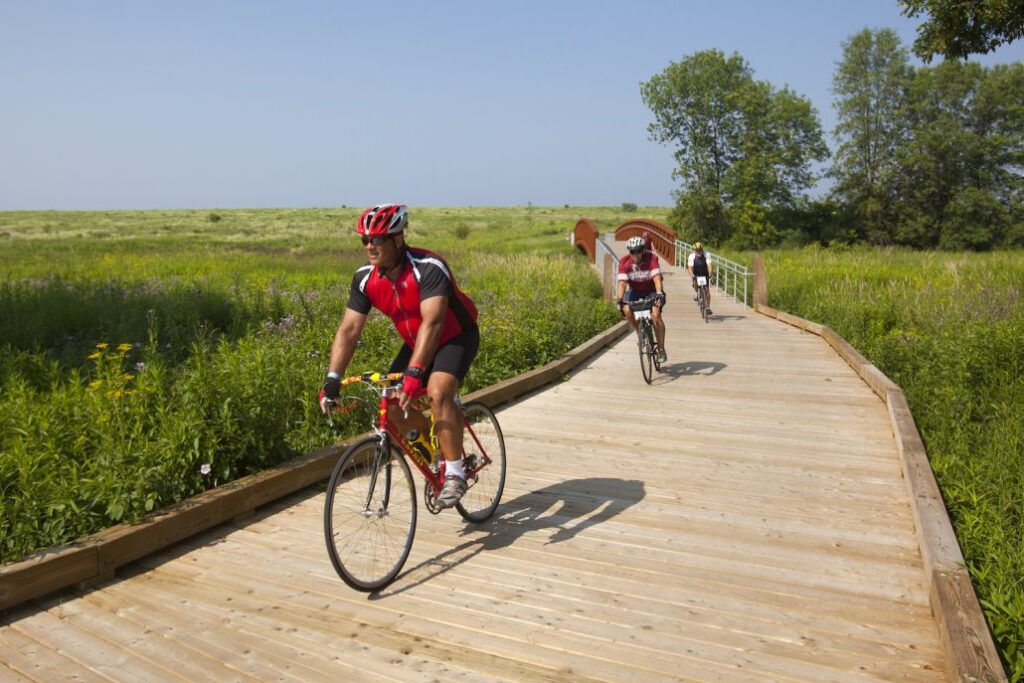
<point>641,271</point>
<point>434,317</point>
<point>699,264</point>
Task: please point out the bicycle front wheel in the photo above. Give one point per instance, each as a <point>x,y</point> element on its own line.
<point>485,462</point>
<point>653,347</point>
<point>646,351</point>
<point>370,514</point>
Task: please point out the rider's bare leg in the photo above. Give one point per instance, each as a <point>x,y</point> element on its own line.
<point>442,389</point>
<point>659,326</point>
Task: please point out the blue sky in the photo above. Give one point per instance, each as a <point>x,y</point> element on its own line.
<point>216,104</point>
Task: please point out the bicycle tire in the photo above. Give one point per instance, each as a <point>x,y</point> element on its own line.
<point>482,432</point>
<point>705,306</point>
<point>652,346</point>
<point>646,352</point>
<point>369,543</point>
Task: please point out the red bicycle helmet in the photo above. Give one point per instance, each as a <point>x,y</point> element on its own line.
<point>383,219</point>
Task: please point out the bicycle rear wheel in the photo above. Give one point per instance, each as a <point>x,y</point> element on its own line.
<point>485,462</point>
<point>370,514</point>
<point>704,305</point>
<point>646,350</point>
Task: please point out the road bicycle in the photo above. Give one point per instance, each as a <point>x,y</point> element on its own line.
<point>645,336</point>
<point>370,510</point>
<point>703,297</point>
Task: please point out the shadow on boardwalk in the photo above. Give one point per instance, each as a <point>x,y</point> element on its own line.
<point>566,508</point>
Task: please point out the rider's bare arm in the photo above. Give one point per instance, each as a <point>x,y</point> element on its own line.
<point>344,345</point>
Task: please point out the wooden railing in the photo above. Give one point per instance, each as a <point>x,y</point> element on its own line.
<point>663,238</point>
<point>584,237</point>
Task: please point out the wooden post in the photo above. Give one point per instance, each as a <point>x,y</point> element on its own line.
<point>760,282</point>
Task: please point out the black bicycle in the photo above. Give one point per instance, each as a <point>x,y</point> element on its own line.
<point>703,297</point>
<point>645,336</point>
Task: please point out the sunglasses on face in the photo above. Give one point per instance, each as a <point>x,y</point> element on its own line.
<point>376,240</point>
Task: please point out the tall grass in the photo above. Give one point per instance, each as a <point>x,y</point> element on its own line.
<point>140,366</point>
<point>949,329</point>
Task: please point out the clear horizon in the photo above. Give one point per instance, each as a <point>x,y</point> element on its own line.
<point>127,106</point>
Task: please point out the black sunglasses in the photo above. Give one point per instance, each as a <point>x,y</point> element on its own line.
<point>377,239</point>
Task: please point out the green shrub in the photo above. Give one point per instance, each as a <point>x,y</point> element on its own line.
<point>145,372</point>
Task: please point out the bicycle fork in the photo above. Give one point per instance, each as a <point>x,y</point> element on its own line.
<point>381,452</point>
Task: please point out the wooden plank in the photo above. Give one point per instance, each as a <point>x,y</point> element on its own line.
<point>47,571</point>
<point>567,630</point>
<point>939,547</point>
<point>971,654</point>
<point>95,653</point>
<point>28,659</point>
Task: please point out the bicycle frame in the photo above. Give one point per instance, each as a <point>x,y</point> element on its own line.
<point>433,471</point>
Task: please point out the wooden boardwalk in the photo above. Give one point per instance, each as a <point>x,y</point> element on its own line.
<point>743,518</point>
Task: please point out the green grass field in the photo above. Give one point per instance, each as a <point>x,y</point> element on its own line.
<point>949,329</point>
<point>139,346</point>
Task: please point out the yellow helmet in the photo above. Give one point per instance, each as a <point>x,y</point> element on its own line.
<point>697,245</point>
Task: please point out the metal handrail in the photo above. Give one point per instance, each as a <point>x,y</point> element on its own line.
<point>601,246</point>
<point>727,275</point>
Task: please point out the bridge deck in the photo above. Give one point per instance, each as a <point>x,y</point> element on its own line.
<point>742,519</point>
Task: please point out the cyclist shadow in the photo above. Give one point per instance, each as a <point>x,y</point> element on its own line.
<point>564,510</point>
<point>673,371</point>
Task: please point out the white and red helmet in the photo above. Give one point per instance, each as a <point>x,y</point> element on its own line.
<point>383,219</point>
<point>635,245</point>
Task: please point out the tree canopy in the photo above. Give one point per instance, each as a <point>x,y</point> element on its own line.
<point>928,157</point>
<point>957,29</point>
<point>743,148</point>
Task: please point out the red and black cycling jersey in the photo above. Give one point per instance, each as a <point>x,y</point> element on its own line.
<point>639,273</point>
<point>424,275</point>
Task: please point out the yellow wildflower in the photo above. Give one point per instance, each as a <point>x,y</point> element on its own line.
<point>95,384</point>
<point>95,356</point>
<point>124,347</point>
<point>102,345</point>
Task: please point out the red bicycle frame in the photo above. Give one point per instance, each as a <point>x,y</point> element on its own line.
<point>384,426</point>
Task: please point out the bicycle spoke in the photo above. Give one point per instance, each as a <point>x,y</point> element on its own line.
<point>370,515</point>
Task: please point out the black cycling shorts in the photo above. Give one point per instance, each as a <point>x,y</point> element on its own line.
<point>454,357</point>
<point>633,295</point>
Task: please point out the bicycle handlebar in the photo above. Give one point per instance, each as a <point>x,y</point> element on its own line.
<point>373,378</point>
<point>642,304</point>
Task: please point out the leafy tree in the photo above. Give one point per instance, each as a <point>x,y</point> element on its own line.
<point>870,84</point>
<point>958,28</point>
<point>961,165</point>
<point>742,148</point>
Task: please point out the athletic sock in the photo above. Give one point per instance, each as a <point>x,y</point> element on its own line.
<point>454,467</point>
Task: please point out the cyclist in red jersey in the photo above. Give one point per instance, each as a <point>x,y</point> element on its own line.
<point>641,271</point>
<point>435,319</point>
